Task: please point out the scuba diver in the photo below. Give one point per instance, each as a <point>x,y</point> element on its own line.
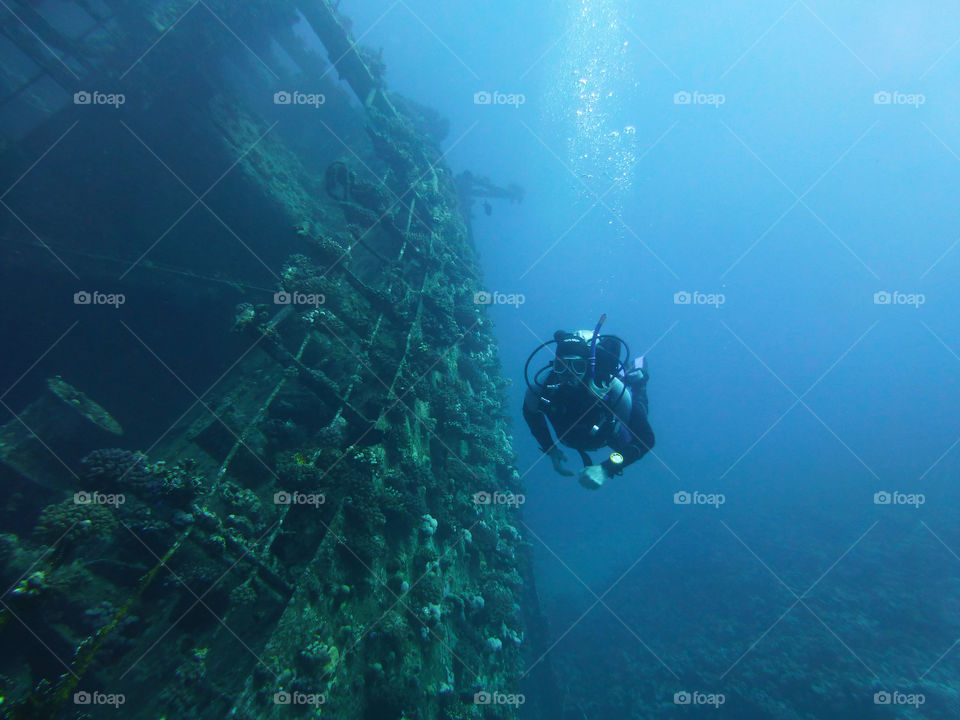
<point>592,400</point>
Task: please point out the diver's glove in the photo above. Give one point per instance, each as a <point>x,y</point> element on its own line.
<point>593,477</point>
<point>559,461</point>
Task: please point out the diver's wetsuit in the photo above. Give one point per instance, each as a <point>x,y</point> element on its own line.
<point>620,419</point>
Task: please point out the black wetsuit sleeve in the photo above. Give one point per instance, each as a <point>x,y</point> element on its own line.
<point>636,439</point>
<point>537,422</point>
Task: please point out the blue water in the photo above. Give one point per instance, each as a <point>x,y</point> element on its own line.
<point>811,177</point>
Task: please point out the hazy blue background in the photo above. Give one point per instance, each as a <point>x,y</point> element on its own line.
<point>706,198</point>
